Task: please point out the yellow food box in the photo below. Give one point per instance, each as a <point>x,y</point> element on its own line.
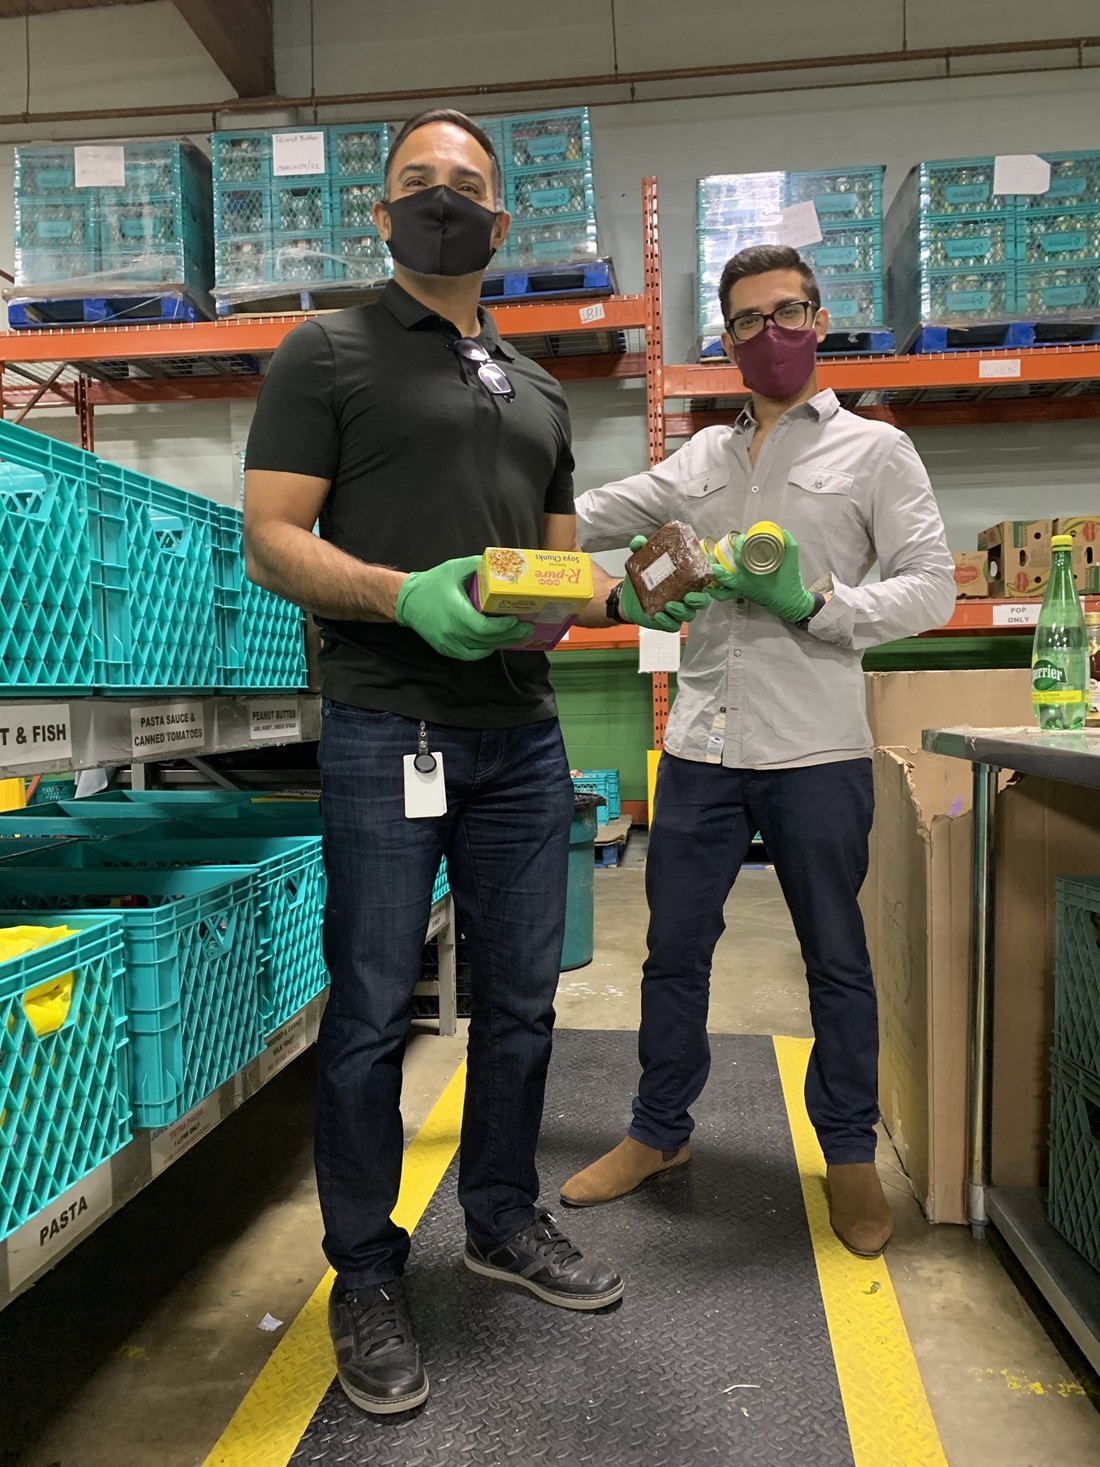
<point>546,585</point>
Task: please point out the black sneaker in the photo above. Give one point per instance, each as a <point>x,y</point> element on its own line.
<point>541,1258</point>
<point>377,1359</point>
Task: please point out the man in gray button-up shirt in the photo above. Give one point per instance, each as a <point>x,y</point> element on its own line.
<point>769,731</point>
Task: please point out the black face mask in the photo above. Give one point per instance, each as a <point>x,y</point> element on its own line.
<point>437,231</point>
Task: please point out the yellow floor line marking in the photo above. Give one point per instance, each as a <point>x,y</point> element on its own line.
<point>280,1404</point>
<point>889,1420</point>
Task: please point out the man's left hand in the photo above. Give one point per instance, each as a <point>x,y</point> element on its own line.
<point>781,591</point>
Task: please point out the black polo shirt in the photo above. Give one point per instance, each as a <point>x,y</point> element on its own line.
<point>425,465</point>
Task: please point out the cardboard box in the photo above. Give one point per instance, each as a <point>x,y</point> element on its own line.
<point>1045,829</point>
<point>971,573</point>
<point>1027,537</point>
<point>549,588</point>
<point>901,705</point>
<point>1085,534</point>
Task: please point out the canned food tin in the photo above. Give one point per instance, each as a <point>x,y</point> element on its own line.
<point>763,548</point>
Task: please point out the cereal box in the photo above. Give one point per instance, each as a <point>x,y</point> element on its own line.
<point>549,588</point>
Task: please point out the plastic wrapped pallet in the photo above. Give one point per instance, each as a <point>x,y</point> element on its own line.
<point>113,218</point>
<point>843,206</point>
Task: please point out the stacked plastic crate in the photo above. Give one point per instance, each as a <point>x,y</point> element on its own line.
<point>546,162</point>
<point>833,216</point>
<point>1074,1202</point>
<point>962,256</point>
<point>297,216</point>
<point>131,215</point>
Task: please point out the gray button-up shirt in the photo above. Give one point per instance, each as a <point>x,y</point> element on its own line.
<point>754,691</point>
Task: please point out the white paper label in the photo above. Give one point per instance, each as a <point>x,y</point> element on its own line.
<point>99,166</point>
<point>1020,173</point>
<point>658,651</point>
<point>33,732</point>
<point>164,728</point>
<point>1017,614</point>
<point>799,225</point>
<point>438,919</point>
<point>659,571</point>
<point>274,718</point>
<point>1000,368</point>
<point>297,154</point>
<point>592,313</point>
<point>285,1044</point>
<point>176,1140</point>
<point>48,1234</point>
<point>425,794</point>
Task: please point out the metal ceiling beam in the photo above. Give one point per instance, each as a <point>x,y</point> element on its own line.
<point>239,39</point>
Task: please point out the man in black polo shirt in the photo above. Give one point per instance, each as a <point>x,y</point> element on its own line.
<point>418,438</point>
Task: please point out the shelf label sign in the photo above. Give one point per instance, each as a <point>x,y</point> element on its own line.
<point>589,314</point>
<point>165,728</point>
<point>297,154</point>
<point>285,1044</point>
<point>1017,614</point>
<point>99,166</point>
<point>274,718</point>
<point>53,1230</point>
<point>1000,367</point>
<point>799,225</point>
<point>31,733</point>
<point>176,1140</point>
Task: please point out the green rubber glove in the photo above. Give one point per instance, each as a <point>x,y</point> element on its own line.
<point>436,605</point>
<point>781,591</point>
<point>672,615</point>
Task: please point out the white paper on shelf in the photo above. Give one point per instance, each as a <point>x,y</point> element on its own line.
<point>274,718</point>
<point>658,651</point>
<point>297,154</point>
<point>1017,613</point>
<point>799,225</point>
<point>999,367</point>
<point>47,1234</point>
<point>99,166</point>
<point>1020,173</point>
<point>31,733</point>
<point>163,728</point>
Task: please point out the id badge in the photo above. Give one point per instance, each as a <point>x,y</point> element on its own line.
<point>425,788</point>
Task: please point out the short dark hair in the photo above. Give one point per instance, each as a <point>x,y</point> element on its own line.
<point>456,119</point>
<point>759,260</point>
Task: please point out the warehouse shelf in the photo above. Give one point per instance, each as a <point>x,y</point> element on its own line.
<point>33,1249</point>
<point>48,734</point>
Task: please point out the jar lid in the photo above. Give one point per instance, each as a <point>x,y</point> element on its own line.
<point>1061,542</point>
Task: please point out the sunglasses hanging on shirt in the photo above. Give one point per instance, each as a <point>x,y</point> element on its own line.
<point>490,374</point>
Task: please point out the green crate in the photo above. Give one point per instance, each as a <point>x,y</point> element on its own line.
<point>1050,292</point>
<point>1074,181</point>
<point>261,637</point>
<point>562,192</point>
<point>361,254</point>
<point>562,242</point>
<point>546,139</point>
<point>1073,1204</point>
<point>242,209</point>
<point>1077,970</point>
<point>245,260</point>
<point>964,241</point>
<point>839,195</point>
<point>357,150</point>
<point>960,186</point>
<point>194,959</point>
<point>1059,237</point>
<point>856,250</point>
<point>853,301</point>
<point>304,258</point>
<point>965,296</point>
<point>63,1073</point>
<point>353,202</point>
<point>240,157</point>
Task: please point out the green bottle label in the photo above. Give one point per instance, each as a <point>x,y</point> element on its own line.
<point>1048,684</point>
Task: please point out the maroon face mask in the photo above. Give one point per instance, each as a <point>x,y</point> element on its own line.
<point>777,363</point>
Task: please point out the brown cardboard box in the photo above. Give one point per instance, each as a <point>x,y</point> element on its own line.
<point>1085,534</point>
<point>1031,537</point>
<point>900,705</point>
<point>1045,829</point>
<point>1019,554</point>
<point>971,573</point>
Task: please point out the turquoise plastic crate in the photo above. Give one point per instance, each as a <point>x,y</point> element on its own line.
<point>47,637</point>
<point>299,205</point>
<point>1074,180</point>
<point>240,157</point>
<point>155,603</point>
<point>965,241</point>
<point>442,883</point>
<point>63,1077</point>
<point>1059,237</point>
<point>361,254</point>
<point>965,296</point>
<point>261,813</point>
<point>261,637</point>
<point>357,149</point>
<point>839,195</point>
<point>1077,970</point>
<point>301,259</point>
<point>561,192</point>
<point>193,965</point>
<point>545,139</point>
<point>1073,1202</point>
<point>244,260</point>
<point>1050,292</point>
<point>353,202</point>
<point>605,783</point>
<point>855,250</point>
<point>563,242</point>
<point>291,892</point>
<point>853,301</point>
<point>44,169</point>
<point>242,209</point>
<point>960,186</point>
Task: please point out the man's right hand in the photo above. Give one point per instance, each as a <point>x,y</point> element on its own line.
<point>436,605</point>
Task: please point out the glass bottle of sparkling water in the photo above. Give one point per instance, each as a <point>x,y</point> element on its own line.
<point>1059,661</point>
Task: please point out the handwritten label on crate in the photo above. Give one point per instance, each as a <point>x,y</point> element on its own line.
<point>176,1140</point>
<point>99,166</point>
<point>589,314</point>
<point>1000,367</point>
<point>33,732</point>
<point>297,154</point>
<point>274,718</point>
<point>285,1044</point>
<point>162,728</point>
<point>1017,614</point>
<point>50,1232</point>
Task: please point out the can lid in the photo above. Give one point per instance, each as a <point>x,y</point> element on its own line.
<point>1061,542</point>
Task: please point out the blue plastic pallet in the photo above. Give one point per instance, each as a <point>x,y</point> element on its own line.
<point>1012,335</point>
<point>37,313</point>
<point>594,278</point>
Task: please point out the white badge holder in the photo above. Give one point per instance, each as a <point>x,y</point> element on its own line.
<point>425,789</point>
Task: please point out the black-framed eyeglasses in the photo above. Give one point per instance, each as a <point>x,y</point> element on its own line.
<point>490,374</point>
<point>791,316</point>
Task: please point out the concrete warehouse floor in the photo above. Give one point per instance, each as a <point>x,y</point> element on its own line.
<point>139,1346</point>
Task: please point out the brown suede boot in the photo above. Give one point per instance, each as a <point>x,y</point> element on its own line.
<point>858,1209</point>
<point>621,1171</point>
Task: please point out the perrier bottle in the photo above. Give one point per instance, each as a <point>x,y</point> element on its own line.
<point>1059,661</point>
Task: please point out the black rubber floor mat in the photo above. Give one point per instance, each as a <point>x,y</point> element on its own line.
<point>719,1351</point>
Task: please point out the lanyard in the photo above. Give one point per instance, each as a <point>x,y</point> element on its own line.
<point>424,763</point>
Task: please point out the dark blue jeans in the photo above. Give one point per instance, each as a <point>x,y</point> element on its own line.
<point>506,839</point>
<point>815,823</point>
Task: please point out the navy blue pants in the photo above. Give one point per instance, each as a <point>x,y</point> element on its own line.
<point>815,823</point>
<point>506,838</point>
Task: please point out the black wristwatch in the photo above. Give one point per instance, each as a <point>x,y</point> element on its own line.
<point>819,602</point>
<point>614,596</point>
